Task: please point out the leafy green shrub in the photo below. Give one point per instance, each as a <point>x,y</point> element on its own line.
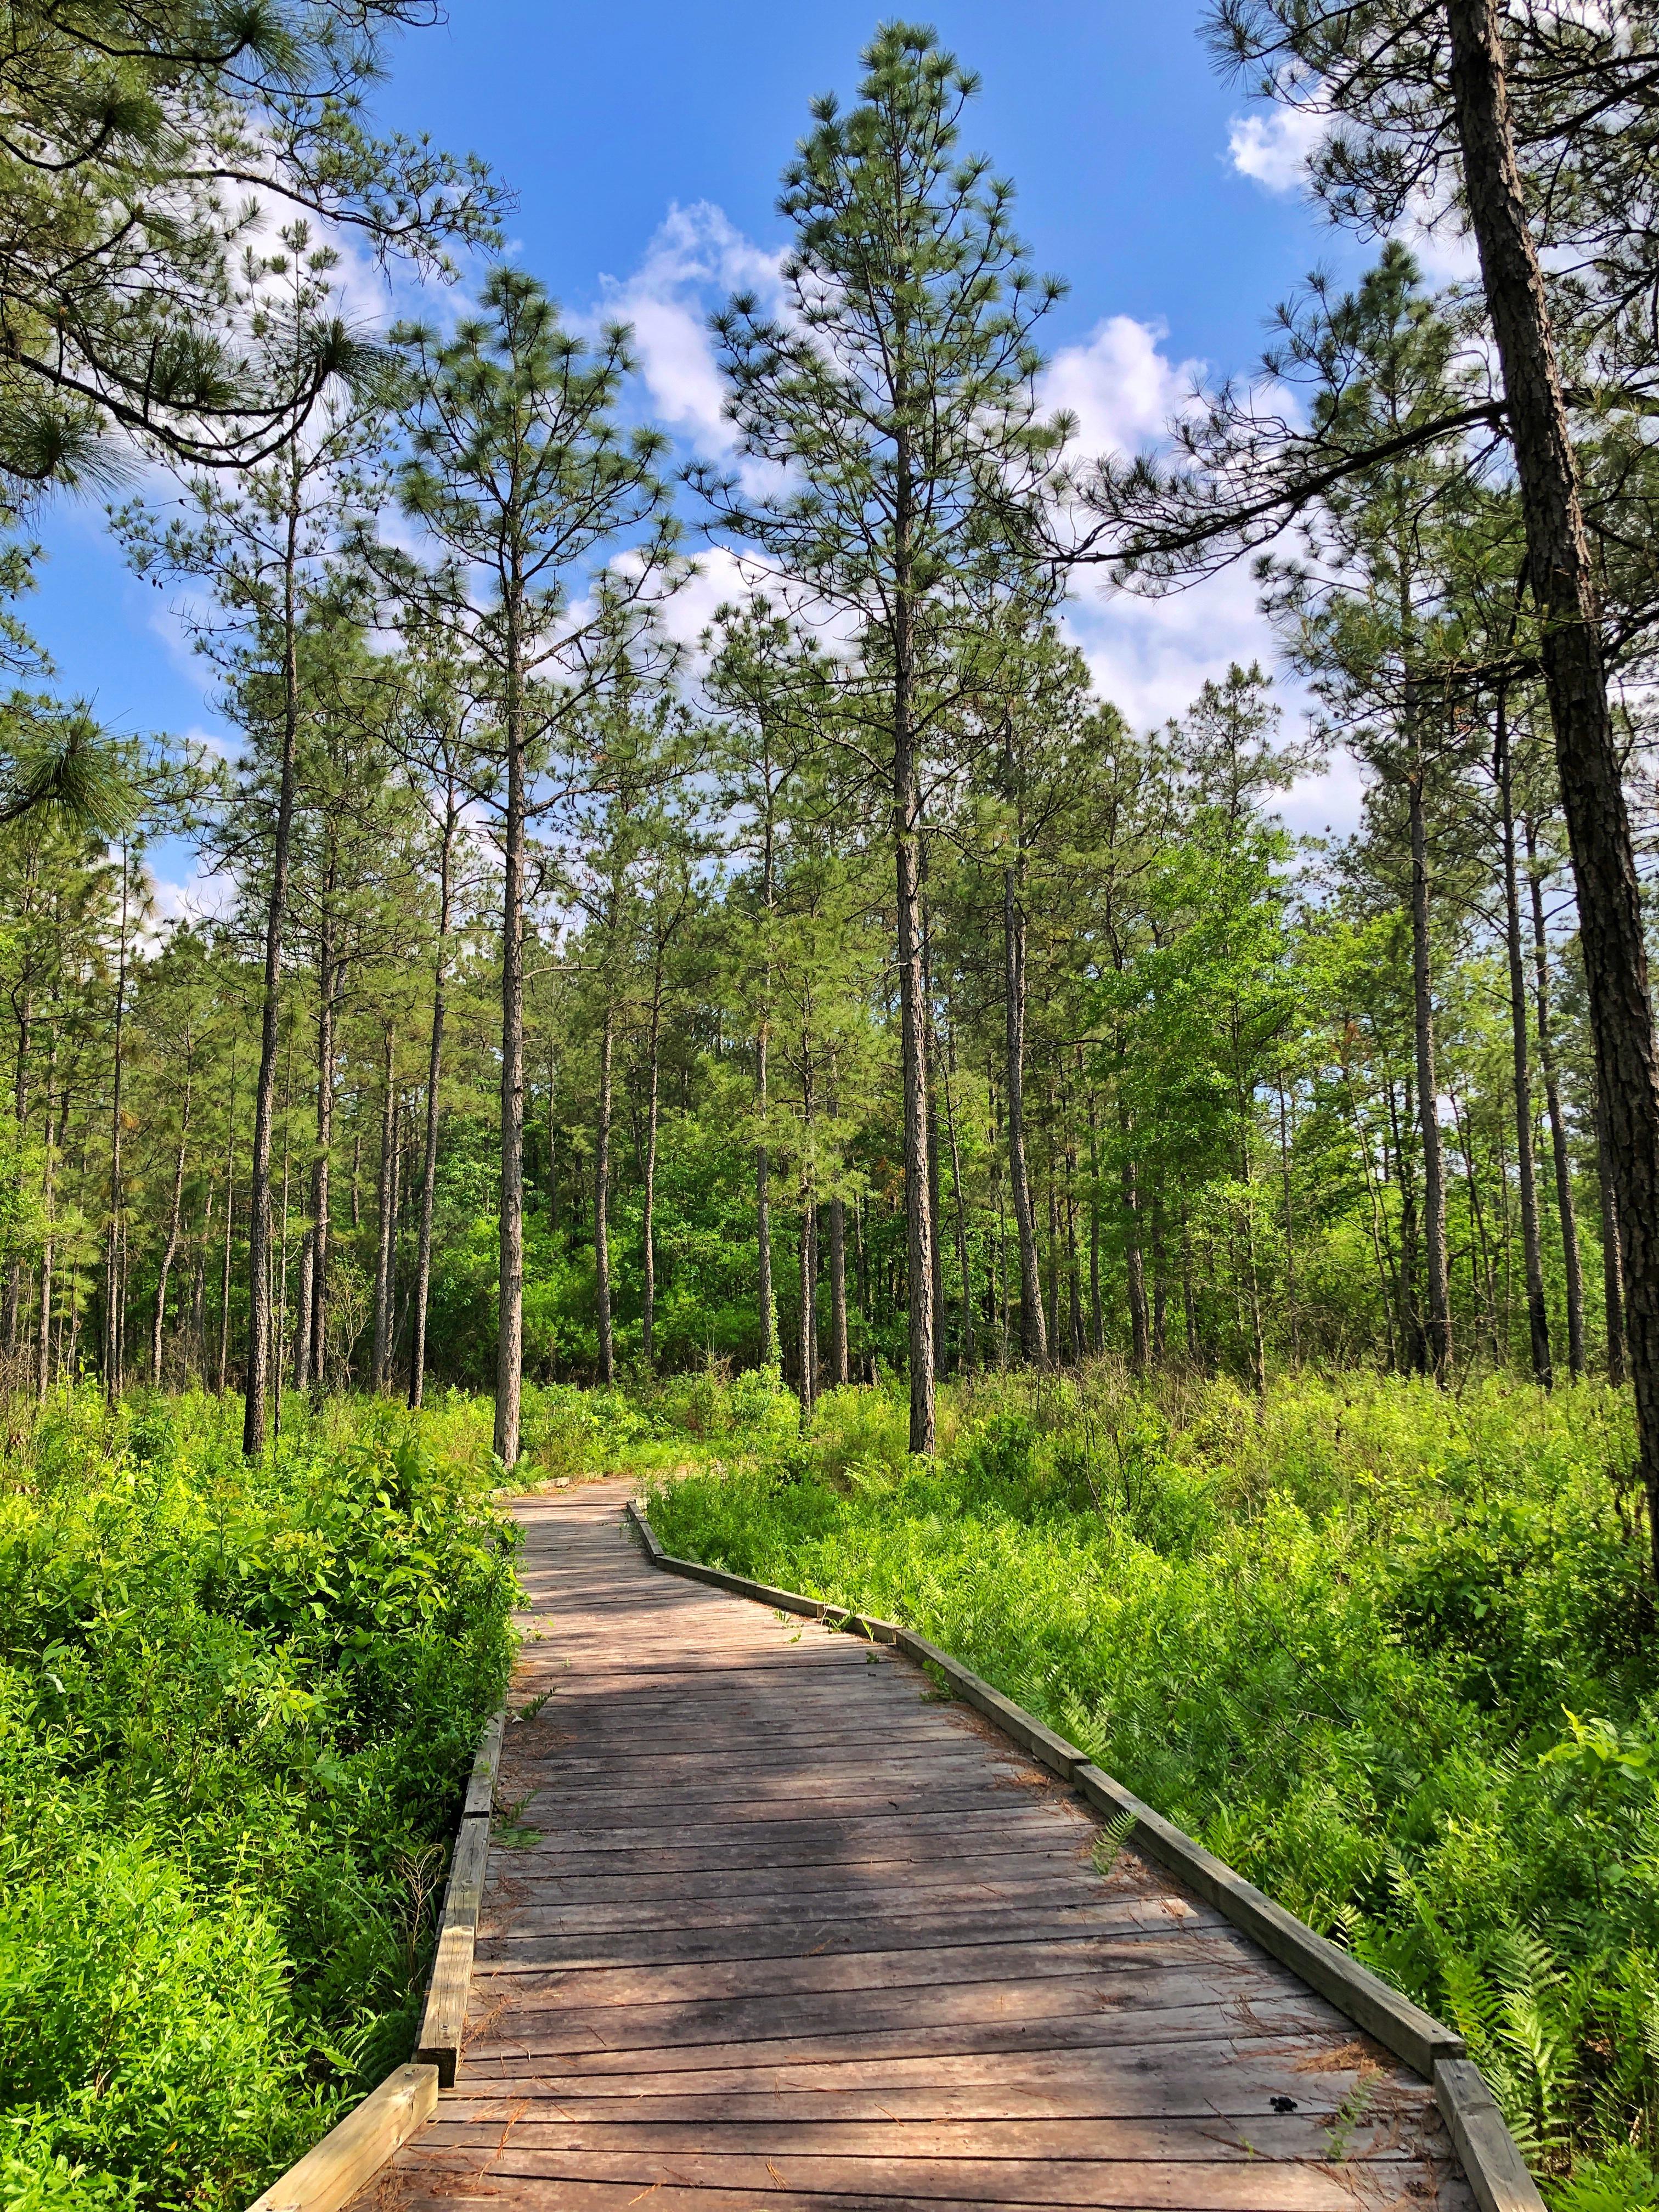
<point>236,1707</point>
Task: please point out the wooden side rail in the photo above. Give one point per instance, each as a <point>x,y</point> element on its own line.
<point>444,2020</point>
<point>1492,2164</point>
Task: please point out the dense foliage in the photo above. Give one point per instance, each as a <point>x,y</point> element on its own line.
<point>1386,1653</point>
<point>828,987</point>
<point>236,1708</point>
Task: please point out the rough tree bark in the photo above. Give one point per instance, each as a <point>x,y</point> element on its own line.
<point>919,1223</point>
<point>170,1248</point>
<point>1033,1334</point>
<point>602,1202</point>
<point>1586,760</point>
<point>385,1203</point>
<point>435,1062</point>
<point>264,1097</point>
<point>509,1324</point>
<point>1439,1333</point>
<point>1538,1326</point>
<point>1566,1210</point>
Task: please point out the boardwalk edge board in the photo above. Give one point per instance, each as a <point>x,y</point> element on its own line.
<point>332,2170</point>
<point>444,2020</point>
<point>1491,2162</point>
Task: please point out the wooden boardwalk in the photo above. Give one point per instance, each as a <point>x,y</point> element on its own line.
<point>792,1934</point>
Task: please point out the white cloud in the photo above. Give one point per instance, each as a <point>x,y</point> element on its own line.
<point>1151,657</point>
<point>1122,390</point>
<point>697,256</point>
<point>1441,245</point>
<point>183,889</point>
<point>1274,149</point>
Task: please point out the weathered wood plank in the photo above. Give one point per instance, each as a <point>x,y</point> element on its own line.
<point>1154,2186</point>
<point>332,2170</point>
<point>443,2019</point>
<point>893,2031</point>
<point>795,1935</point>
<point>1028,1910</point>
<point>1302,2137</point>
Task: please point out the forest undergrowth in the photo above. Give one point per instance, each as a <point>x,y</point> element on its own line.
<point>237,1706</point>
<point>1388,1650</point>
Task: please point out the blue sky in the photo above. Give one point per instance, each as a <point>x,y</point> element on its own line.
<point>644,141</point>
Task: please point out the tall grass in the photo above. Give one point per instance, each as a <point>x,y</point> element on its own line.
<point>1389,1652</point>
<point>236,1705</point>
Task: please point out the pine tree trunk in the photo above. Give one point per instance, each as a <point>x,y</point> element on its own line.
<point>1563,587</point>
<point>807,1253</point>
<point>1135,1268</point>
<point>114,1318</point>
<point>651,1116</point>
<point>23,1004</point>
<point>434,1064</point>
<point>602,1204</point>
<point>385,1200</point>
<point>1033,1337</point>
<point>1567,1213</point>
<point>221,1376</point>
<point>769,1342</point>
<point>303,1302</point>
<point>1538,1327</point>
<point>170,1248</point>
<point>839,1370</point>
<point>328,992</point>
<point>264,1097</point>
<point>48,1207</point>
<point>509,1321</point>
<point>967,1346</point>
<point>1413,1336</point>
<point>1096,1313</point>
<point>1428,1093</point>
<point>1285,1181</point>
<point>919,1220</point>
<point>1613,1267</point>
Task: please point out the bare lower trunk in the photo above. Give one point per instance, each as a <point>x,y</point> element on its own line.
<point>769,1341</point>
<point>1134,1264</point>
<point>435,1065</point>
<point>919,1221</point>
<point>648,1226</point>
<point>602,1207</point>
<point>839,1370</point>
<point>808,1348</point>
<point>114,1316</point>
<point>49,1209</point>
<point>1562,583</point>
<point>1566,1212</point>
<point>264,1097</point>
<point>1428,1094</point>
<point>1538,1327</point>
<point>303,1302</point>
<point>961,1205</point>
<point>224,1277</point>
<point>170,1249</point>
<point>1096,1310</point>
<point>1033,1336</point>
<point>1613,1268</point>
<point>386,1200</point>
<point>329,986</point>
<point>509,1319</point>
